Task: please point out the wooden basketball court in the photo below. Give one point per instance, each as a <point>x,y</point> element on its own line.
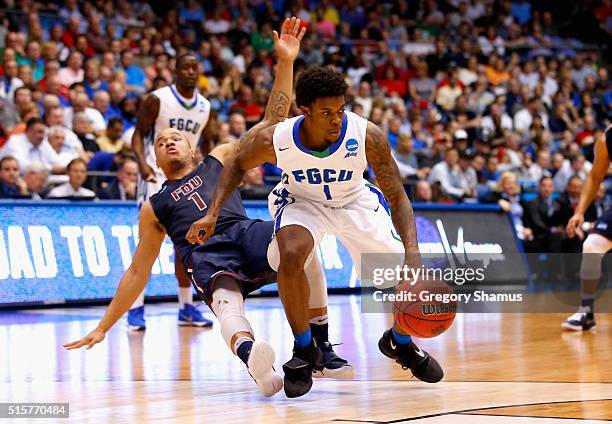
<point>506,368</point>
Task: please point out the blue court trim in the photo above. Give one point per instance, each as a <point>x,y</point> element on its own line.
<point>332,148</point>
<point>181,102</point>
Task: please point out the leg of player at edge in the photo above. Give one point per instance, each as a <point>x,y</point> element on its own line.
<point>594,248</point>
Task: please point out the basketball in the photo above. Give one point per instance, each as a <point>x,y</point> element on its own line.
<point>422,310</point>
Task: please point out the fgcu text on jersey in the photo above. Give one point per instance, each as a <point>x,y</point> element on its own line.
<point>184,125</point>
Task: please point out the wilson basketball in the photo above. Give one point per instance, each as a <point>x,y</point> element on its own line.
<point>425,309</point>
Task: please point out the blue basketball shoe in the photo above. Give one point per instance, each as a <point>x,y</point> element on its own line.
<point>190,315</point>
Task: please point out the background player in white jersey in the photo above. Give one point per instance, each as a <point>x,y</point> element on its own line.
<point>177,106</point>
<point>598,242</point>
<point>323,155</point>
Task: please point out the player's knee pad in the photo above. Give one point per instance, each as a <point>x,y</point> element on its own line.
<point>317,282</point>
<point>228,306</point>
<point>593,251</point>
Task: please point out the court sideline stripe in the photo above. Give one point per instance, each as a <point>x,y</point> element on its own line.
<point>467,411</point>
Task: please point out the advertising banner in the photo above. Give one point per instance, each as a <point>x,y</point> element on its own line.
<point>55,252</point>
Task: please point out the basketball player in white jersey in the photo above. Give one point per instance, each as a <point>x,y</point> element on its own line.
<point>597,243</point>
<point>177,106</point>
<point>323,154</point>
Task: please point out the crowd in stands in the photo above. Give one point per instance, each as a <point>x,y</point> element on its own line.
<point>494,101</point>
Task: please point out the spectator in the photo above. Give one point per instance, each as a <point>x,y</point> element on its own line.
<point>10,183</point>
<point>253,186</point>
<point>10,82</point>
<point>541,168</point>
<point>448,93</point>
<point>124,187</point>
<point>73,72</point>
<point>508,197</point>
<point>111,141</point>
<point>575,166</point>
<point>84,131</point>
<point>237,125</point>
<point>449,176</point>
<point>80,104</point>
<point>77,174</point>
<point>35,178</point>
<point>31,147</point>
<point>524,117</point>
<point>91,78</point>
<point>423,192</point>
<point>537,216</point>
<point>57,140</point>
<point>246,103</point>
<point>135,76</point>
<point>422,88</point>
<point>54,116</point>
<point>496,124</point>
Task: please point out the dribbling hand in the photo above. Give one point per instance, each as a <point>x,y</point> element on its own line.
<point>93,338</point>
<point>201,230</point>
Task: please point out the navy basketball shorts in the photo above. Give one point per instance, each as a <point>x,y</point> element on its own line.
<point>239,251</point>
<point>603,226</point>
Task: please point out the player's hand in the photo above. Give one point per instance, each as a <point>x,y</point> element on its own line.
<point>201,230</point>
<point>574,223</point>
<point>287,45</point>
<point>147,173</point>
<point>95,337</point>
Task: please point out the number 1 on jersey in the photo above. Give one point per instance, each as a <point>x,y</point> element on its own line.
<point>197,199</point>
<point>328,195</point>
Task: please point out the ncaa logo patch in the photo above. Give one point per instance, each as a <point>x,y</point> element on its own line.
<point>351,145</point>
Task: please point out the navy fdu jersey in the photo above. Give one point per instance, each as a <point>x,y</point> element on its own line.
<point>180,203</point>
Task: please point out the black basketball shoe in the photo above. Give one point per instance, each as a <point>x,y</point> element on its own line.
<point>333,365</point>
<point>299,369</point>
<point>409,356</point>
<point>580,321</point>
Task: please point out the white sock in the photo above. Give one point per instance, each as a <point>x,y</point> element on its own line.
<point>185,296</point>
<point>139,301</point>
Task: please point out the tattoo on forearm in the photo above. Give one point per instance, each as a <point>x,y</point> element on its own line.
<point>277,109</point>
<point>387,175</point>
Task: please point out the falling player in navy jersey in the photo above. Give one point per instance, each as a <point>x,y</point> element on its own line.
<point>233,262</point>
<point>323,155</point>
<point>598,242</point>
<point>178,106</point>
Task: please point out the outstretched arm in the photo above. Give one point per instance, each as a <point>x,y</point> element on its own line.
<point>256,146</point>
<point>387,175</point>
<point>134,279</point>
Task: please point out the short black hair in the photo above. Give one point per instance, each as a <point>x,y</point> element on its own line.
<point>182,58</point>
<point>74,162</point>
<point>114,121</point>
<point>33,121</point>
<point>318,82</point>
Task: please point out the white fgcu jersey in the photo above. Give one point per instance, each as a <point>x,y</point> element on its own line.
<point>333,177</point>
<point>189,116</point>
<point>325,192</point>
